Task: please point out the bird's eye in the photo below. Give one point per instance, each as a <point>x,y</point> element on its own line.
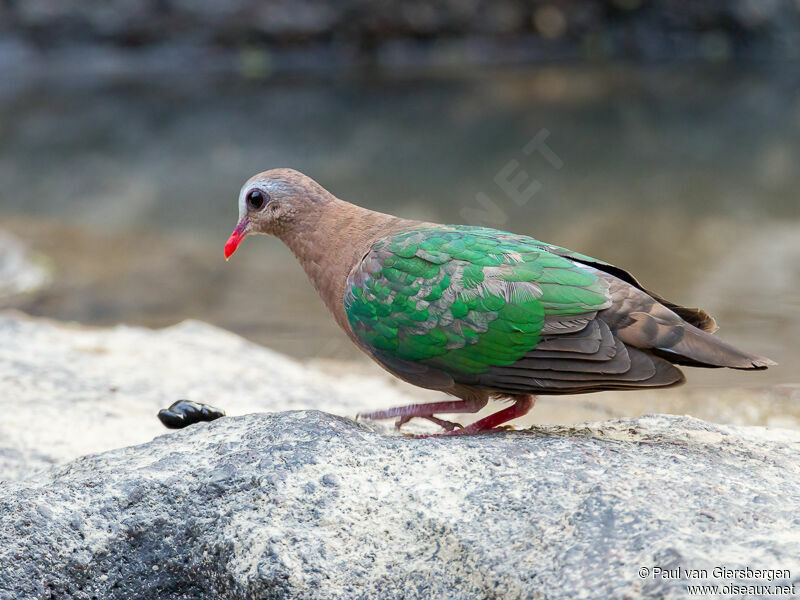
<point>256,199</point>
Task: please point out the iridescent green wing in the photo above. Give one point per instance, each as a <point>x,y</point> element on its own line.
<point>695,316</point>
<point>465,299</point>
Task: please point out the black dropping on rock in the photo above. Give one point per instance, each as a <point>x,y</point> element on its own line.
<point>182,413</point>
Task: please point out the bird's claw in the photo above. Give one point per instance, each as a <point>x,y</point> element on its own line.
<point>446,425</point>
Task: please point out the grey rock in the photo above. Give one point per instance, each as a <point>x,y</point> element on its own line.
<point>307,505</point>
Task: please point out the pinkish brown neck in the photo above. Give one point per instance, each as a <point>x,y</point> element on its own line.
<point>330,241</point>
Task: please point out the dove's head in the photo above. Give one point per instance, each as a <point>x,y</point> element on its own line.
<point>277,202</point>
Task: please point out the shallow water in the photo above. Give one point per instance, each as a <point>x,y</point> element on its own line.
<point>686,177</point>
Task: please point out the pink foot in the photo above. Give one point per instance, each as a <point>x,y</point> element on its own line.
<point>494,422</point>
<point>446,425</point>
<point>426,411</point>
<point>521,406</point>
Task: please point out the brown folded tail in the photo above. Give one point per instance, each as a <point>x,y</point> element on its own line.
<point>685,344</point>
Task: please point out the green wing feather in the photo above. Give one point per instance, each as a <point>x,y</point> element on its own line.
<point>464,299</point>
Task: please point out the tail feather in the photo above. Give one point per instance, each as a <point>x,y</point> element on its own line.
<point>677,340</point>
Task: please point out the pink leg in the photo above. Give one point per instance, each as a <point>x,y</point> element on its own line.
<point>426,411</point>
<point>522,405</point>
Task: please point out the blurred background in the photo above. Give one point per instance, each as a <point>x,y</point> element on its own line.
<point>128,126</point>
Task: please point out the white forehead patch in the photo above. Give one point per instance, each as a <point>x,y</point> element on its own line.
<point>242,207</point>
<point>273,187</point>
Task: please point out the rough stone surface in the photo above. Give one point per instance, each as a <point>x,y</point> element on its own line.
<point>307,505</point>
